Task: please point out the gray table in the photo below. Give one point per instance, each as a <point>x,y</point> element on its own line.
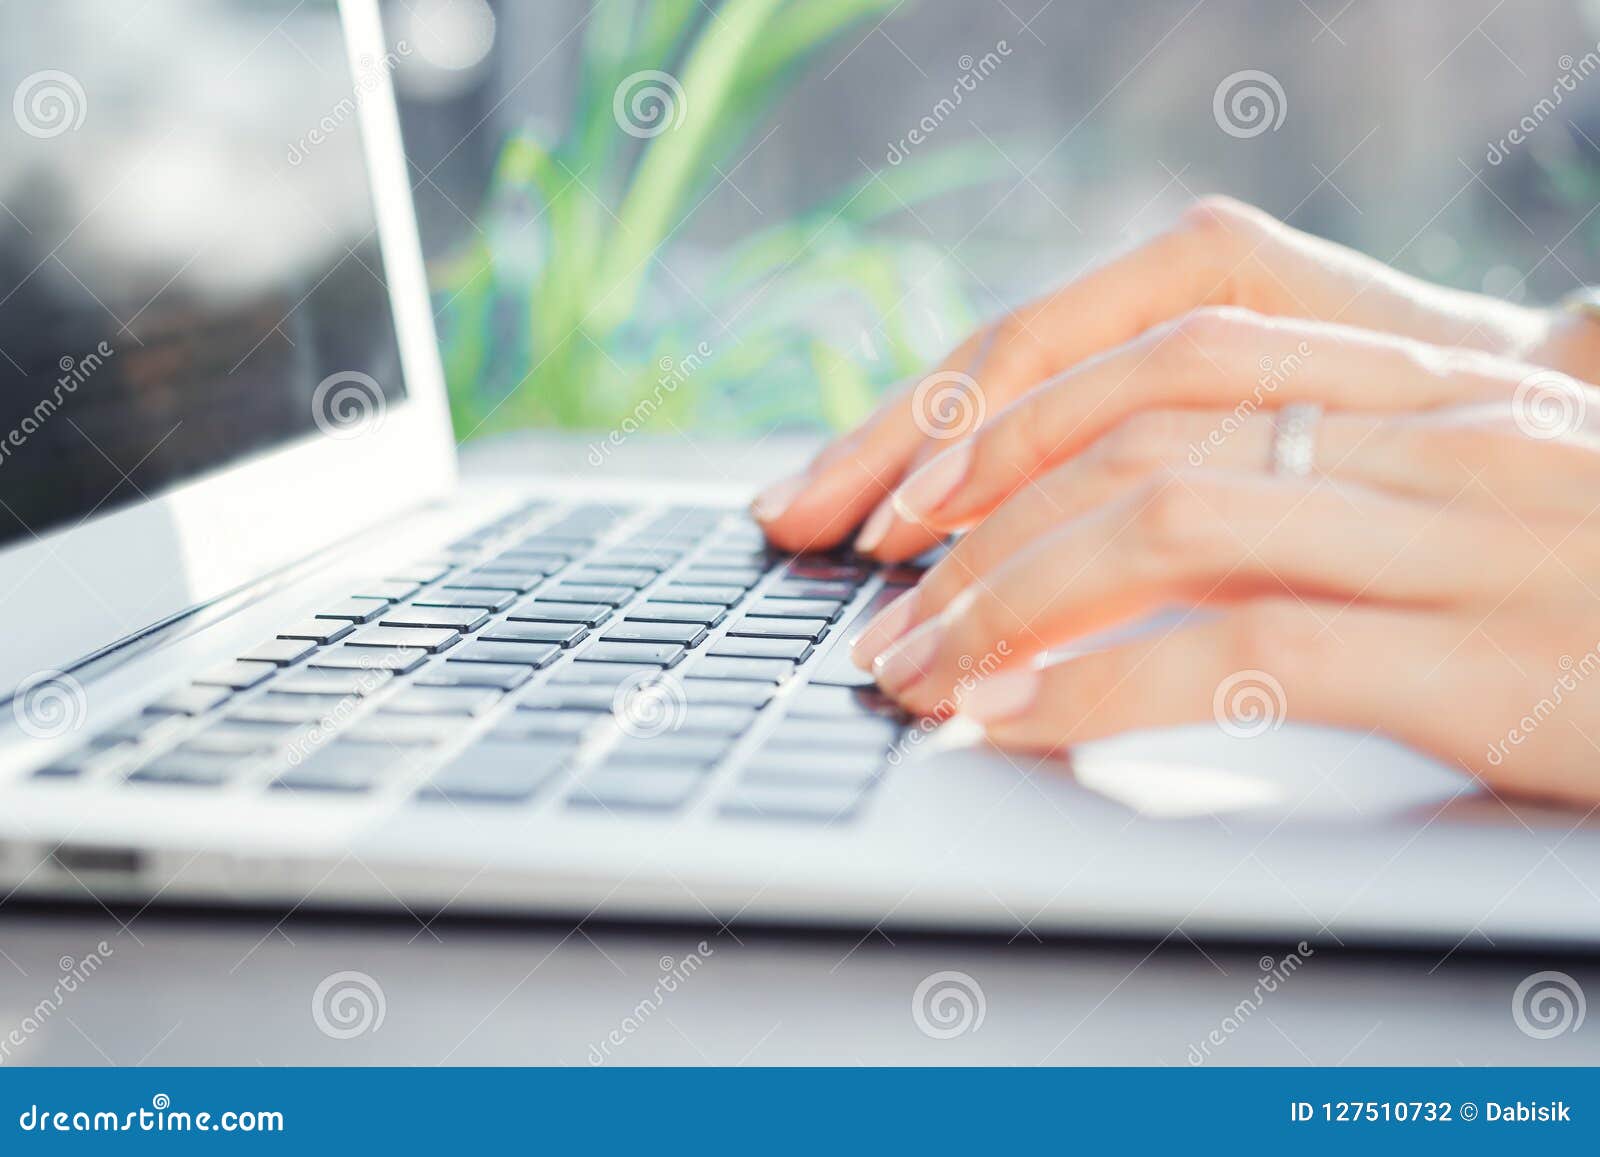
<point>212,988</point>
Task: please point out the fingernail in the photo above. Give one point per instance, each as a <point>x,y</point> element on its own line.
<point>877,526</point>
<point>1003,696</point>
<point>931,487</point>
<point>886,626</point>
<point>775,499</point>
<point>908,660</point>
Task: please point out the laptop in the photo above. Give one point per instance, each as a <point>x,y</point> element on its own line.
<point>262,647</point>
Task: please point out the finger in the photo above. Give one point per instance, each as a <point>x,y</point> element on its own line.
<point>1195,539</point>
<point>1248,671</point>
<point>1211,358</point>
<point>1217,250</point>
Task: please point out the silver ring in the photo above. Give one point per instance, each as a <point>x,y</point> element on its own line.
<point>1294,439</point>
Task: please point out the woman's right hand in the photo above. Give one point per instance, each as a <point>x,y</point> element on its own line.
<point>1219,253</point>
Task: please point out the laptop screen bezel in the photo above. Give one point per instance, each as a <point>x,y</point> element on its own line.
<point>115,575</point>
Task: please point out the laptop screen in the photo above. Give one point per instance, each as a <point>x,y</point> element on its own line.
<point>189,261</point>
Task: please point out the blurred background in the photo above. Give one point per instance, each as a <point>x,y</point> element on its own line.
<point>756,214</point>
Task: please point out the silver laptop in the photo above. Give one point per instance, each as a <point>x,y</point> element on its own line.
<point>261,648</point>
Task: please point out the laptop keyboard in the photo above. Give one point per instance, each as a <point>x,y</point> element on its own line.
<point>612,660</point>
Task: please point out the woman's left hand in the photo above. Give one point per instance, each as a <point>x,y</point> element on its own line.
<point>1436,576</point>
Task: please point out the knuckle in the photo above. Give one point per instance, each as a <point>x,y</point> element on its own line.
<point>1175,524</point>
<point>1216,327</point>
<point>1282,638</point>
<point>977,619</point>
<point>1141,443</point>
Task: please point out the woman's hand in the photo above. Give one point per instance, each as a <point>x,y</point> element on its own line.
<point>1220,253</point>
<point>1437,577</point>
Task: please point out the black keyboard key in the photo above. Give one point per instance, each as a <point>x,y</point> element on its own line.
<point>712,719</point>
<point>628,789</point>
<point>454,618</point>
<point>191,769</point>
<point>281,652</point>
<point>399,730</point>
<point>390,590</point>
<point>483,579</point>
<point>400,660</point>
<point>786,765</point>
<point>817,803</point>
<point>671,748</point>
<point>522,654</point>
<point>728,667</point>
<point>430,639</point>
<point>720,576</point>
<point>825,609</point>
<point>443,701</point>
<point>725,693</point>
<point>657,558</point>
<point>758,627</point>
<point>538,610</point>
<point>611,674</point>
<point>819,570</point>
<point>355,610</point>
<point>311,681</point>
<point>685,593</point>
<point>90,761</point>
<point>684,634</point>
<point>570,697</point>
<point>240,738</point>
<point>191,700</point>
<point>539,723</point>
<point>505,676</point>
<point>863,734</point>
<point>795,650</point>
<point>527,561</point>
<point>743,559</point>
<point>706,614</point>
<point>819,702</point>
<point>652,654</point>
<point>427,571</point>
<point>634,577</point>
<point>317,631</point>
<point>495,771</point>
<point>562,634</point>
<point>612,596</point>
<point>489,600</point>
<point>807,589</point>
<point>240,675</point>
<point>274,707</point>
<point>342,767</point>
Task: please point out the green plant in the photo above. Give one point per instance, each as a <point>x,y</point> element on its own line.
<point>549,318</point>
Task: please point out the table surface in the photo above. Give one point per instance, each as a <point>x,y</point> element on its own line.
<point>190,987</point>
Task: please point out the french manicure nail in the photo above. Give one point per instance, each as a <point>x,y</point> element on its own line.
<point>931,487</point>
<point>909,659</point>
<point>1002,696</point>
<point>886,626</point>
<point>775,499</point>
<point>876,528</point>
